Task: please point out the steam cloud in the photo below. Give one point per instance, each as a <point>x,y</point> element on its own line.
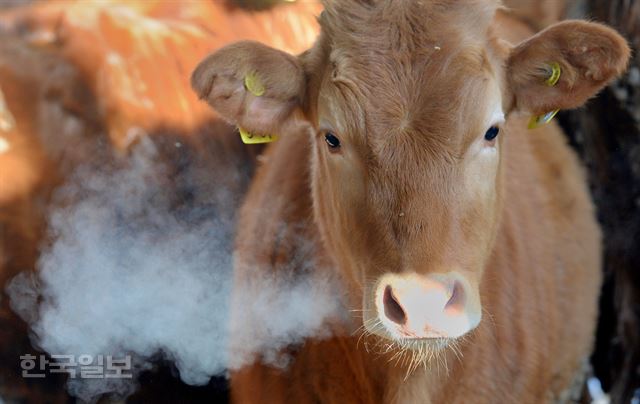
<point>131,270</point>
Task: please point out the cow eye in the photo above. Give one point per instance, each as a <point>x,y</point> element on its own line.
<point>491,133</point>
<point>332,140</point>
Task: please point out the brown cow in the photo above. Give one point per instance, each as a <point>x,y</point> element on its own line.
<point>405,155</point>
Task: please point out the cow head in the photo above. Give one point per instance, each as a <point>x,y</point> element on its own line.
<point>405,104</point>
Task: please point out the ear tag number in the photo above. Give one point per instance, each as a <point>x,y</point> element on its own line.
<point>539,120</point>
<point>250,138</point>
<point>253,84</point>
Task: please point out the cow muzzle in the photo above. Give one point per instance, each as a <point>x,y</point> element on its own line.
<point>413,306</point>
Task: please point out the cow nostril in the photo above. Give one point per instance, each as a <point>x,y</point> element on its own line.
<point>392,308</point>
<point>456,301</point>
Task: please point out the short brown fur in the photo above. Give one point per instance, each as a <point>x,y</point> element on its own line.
<point>407,87</point>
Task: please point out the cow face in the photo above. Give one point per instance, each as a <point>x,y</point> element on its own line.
<point>405,104</point>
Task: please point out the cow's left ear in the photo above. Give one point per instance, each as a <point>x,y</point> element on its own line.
<point>564,65</point>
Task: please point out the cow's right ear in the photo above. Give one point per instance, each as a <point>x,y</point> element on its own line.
<point>253,86</point>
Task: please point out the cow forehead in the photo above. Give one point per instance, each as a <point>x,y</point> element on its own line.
<point>407,77</point>
<point>403,78</point>
<point>405,23</point>
<point>429,105</point>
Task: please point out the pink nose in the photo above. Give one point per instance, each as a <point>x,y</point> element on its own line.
<point>415,306</point>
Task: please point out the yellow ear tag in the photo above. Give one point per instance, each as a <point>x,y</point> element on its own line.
<point>253,85</point>
<point>555,75</point>
<point>539,120</point>
<point>249,138</point>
